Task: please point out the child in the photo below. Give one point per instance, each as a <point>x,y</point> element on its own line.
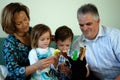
<point>77,70</point>
<point>40,40</point>
<point>63,39</point>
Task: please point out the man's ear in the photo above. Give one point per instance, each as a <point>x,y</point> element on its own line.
<point>98,21</point>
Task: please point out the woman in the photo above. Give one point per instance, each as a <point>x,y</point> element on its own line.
<point>15,22</point>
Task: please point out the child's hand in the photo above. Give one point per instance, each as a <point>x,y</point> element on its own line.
<point>56,51</point>
<point>56,56</point>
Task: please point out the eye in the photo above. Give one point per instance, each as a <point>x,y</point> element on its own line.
<point>26,19</point>
<point>88,24</point>
<point>67,45</point>
<point>48,38</point>
<point>81,25</point>
<point>42,39</point>
<point>60,45</point>
<point>18,24</point>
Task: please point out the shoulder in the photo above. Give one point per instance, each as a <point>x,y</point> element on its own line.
<point>112,32</point>
<point>52,49</point>
<point>10,38</point>
<point>32,51</point>
<point>9,41</point>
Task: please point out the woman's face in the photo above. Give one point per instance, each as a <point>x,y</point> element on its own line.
<point>21,22</point>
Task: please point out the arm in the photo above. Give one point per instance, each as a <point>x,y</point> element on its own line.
<point>39,65</point>
<point>115,41</point>
<point>11,56</point>
<point>16,58</point>
<point>118,77</point>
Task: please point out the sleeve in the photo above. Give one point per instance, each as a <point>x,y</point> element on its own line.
<point>115,41</point>
<point>15,70</point>
<point>32,57</point>
<point>3,72</point>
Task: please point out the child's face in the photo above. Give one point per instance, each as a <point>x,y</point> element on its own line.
<point>44,40</point>
<point>64,46</point>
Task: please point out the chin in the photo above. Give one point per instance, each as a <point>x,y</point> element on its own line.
<point>44,47</point>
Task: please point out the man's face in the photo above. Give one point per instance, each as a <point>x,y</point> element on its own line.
<point>88,25</point>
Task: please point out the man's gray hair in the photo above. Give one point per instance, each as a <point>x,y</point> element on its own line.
<point>88,8</point>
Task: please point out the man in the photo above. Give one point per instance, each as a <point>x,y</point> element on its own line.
<point>102,44</point>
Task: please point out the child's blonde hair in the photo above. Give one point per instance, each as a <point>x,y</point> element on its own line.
<point>37,31</point>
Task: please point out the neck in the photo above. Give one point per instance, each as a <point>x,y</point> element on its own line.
<point>24,38</point>
<point>21,34</point>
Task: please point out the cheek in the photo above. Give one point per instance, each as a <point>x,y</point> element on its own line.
<point>83,29</point>
<point>67,47</point>
<point>93,29</point>
<point>39,42</point>
<point>28,22</point>
<point>49,41</point>
<point>59,47</point>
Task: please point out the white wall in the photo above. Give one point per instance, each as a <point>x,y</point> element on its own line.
<point>56,13</point>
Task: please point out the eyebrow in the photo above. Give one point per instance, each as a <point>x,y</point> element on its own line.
<point>89,23</point>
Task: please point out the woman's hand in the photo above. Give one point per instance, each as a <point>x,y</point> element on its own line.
<point>40,65</point>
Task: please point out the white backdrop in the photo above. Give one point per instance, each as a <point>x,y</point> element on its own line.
<point>55,13</point>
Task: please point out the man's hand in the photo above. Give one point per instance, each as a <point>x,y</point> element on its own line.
<point>64,54</point>
<point>118,77</point>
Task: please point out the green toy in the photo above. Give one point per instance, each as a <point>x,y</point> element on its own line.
<point>75,55</point>
<point>56,51</point>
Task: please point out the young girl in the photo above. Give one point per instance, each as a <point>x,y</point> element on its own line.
<point>40,40</point>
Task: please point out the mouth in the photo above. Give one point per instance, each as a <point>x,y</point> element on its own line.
<point>64,51</point>
<point>46,44</point>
